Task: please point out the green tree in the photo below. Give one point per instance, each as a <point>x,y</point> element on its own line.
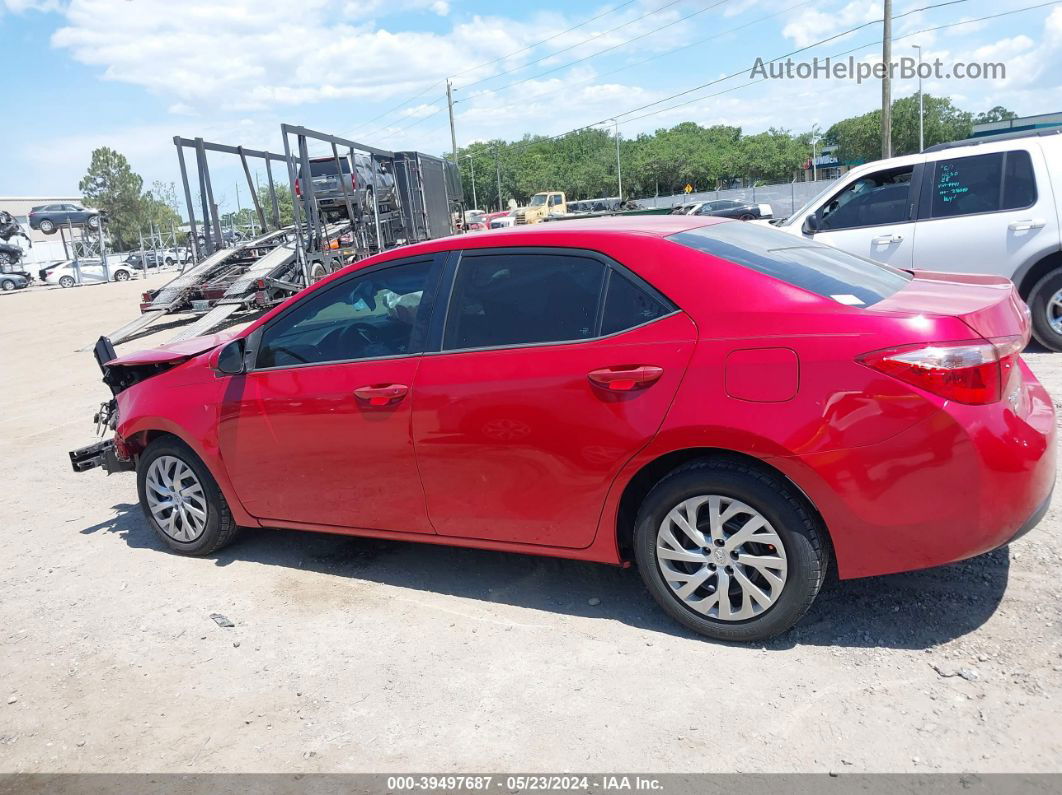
<point>859,138</point>
<point>112,186</point>
<point>998,113</point>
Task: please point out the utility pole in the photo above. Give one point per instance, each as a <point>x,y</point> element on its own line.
<point>886,88</point>
<point>921,104</point>
<point>619,173</point>
<point>472,164</point>
<point>497,169</point>
<point>450,103</point>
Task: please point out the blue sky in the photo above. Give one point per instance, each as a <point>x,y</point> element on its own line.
<point>131,74</point>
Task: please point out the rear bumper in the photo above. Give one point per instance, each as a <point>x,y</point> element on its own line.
<point>964,481</point>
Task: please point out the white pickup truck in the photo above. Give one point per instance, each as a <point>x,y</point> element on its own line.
<point>984,205</point>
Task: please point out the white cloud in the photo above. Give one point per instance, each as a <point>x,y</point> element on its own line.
<point>812,25</point>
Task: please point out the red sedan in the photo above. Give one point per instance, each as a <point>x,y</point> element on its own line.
<point>727,407</point>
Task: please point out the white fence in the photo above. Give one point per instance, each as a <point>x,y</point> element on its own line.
<point>785,198</point>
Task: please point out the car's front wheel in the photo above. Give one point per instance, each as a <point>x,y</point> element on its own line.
<point>181,499</point>
<point>48,227</point>
<point>121,276</point>
<point>1045,306</point>
<point>66,281</point>
<point>730,550</point>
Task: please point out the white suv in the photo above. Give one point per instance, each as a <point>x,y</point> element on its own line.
<point>977,206</point>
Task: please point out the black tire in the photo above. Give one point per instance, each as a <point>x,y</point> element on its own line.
<point>746,217</point>
<point>169,262</point>
<point>7,285</point>
<point>93,222</point>
<point>48,227</point>
<point>1039,307</point>
<point>121,275</point>
<point>67,281</point>
<point>221,528</point>
<point>800,531</point>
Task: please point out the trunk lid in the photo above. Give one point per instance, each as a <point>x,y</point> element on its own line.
<point>989,305</point>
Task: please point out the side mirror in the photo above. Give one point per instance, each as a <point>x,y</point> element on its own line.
<point>228,359</point>
<point>811,224</point>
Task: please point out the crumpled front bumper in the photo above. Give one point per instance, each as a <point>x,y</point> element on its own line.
<point>101,454</point>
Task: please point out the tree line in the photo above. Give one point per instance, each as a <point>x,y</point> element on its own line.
<point>583,163</point>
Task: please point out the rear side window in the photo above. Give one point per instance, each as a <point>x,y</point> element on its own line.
<point>518,299</point>
<point>829,272</point>
<point>982,184</point>
<point>1019,184</point>
<point>628,305</point>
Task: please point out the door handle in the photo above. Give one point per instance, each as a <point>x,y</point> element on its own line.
<point>1026,224</point>
<point>626,378</point>
<point>885,240</point>
<point>381,394</point>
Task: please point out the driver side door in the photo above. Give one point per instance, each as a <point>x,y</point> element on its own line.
<point>318,431</point>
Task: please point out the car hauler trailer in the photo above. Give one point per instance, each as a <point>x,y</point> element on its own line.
<point>351,203</point>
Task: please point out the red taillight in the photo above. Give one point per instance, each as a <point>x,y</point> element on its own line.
<point>298,190</point>
<point>353,180</point>
<point>969,371</point>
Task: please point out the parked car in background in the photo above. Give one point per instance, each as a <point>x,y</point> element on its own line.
<point>13,281</point>
<point>474,220</point>
<point>986,205</point>
<point>728,407</point>
<point>503,220</point>
<point>49,217</point>
<point>65,275</point>
<point>157,259</point>
<point>729,208</point>
<point>10,254</point>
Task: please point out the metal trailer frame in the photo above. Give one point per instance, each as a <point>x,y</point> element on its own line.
<point>312,251</point>
<point>212,236</point>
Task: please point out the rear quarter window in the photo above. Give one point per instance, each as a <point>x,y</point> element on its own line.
<point>829,272</point>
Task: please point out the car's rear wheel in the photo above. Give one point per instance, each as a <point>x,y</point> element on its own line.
<point>66,281</point>
<point>181,499</point>
<point>93,221</point>
<point>7,285</point>
<point>746,217</point>
<point>121,276</point>
<point>48,227</point>
<point>730,550</point>
<point>169,262</point>
<point>1045,305</point>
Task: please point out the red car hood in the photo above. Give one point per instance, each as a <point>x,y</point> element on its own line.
<point>174,352</point>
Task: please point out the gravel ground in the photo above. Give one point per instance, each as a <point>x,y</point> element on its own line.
<point>359,655</point>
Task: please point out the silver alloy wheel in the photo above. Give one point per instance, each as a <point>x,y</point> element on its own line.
<point>721,557</point>
<point>175,498</point>
<point>1053,310</point>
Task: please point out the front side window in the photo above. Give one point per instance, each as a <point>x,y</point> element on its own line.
<point>377,314</point>
<point>518,299</point>
<point>873,200</point>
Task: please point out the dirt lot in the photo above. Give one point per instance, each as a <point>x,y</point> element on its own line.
<point>362,655</point>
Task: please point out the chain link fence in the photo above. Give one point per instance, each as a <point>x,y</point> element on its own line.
<point>785,198</point>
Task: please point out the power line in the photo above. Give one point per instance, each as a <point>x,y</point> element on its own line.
<point>856,49</point>
<point>609,49</point>
<point>571,47</point>
<point>777,58</point>
<point>501,58</point>
<point>633,64</point>
<point>555,53</point>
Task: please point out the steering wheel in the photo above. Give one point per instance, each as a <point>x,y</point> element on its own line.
<point>367,332</point>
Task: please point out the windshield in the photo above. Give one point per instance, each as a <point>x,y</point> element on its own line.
<point>538,199</point>
<point>808,204</point>
<point>826,271</point>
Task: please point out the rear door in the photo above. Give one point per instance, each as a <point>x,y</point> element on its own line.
<point>986,213</point>
<point>555,366</point>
